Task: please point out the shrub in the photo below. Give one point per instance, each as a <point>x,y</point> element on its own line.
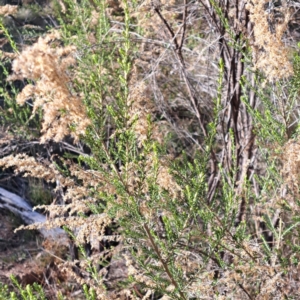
<point>192,169</point>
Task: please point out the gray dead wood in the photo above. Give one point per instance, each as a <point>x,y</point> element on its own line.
<point>20,207</point>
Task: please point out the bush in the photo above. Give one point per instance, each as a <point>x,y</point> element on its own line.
<point>187,116</point>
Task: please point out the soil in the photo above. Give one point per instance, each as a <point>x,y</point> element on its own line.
<point>30,259</point>
<point>24,255</point>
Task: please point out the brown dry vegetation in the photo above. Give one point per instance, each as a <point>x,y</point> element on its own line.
<point>167,136</point>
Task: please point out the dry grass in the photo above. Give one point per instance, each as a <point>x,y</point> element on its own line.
<point>177,88</point>
<point>48,66</point>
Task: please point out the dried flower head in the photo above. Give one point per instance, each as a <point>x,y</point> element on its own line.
<point>269,53</point>
<point>48,67</point>
<point>8,9</point>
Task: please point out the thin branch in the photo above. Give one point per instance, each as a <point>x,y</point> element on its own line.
<point>245,291</point>
<point>164,264</point>
<point>184,19</point>
<point>156,9</point>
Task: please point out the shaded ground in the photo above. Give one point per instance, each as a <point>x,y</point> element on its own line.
<point>25,255</point>
<point>30,259</point>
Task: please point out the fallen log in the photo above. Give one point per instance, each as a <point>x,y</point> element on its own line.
<point>20,207</point>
